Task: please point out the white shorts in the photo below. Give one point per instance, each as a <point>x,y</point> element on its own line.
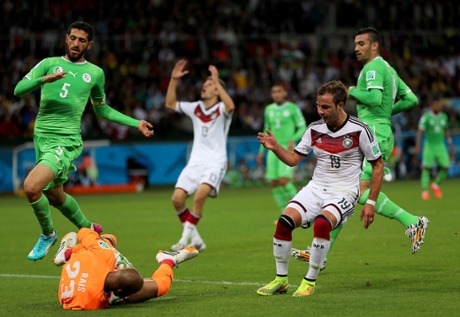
<point>193,175</point>
<point>311,200</point>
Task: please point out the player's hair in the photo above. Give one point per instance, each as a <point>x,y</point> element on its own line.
<point>336,88</point>
<point>82,26</point>
<point>374,35</point>
<point>281,84</point>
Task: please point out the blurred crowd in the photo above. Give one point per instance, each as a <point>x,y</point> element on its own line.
<point>253,43</point>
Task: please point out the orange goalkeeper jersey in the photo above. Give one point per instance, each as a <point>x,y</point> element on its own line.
<point>82,279</point>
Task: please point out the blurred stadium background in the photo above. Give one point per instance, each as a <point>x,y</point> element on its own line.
<point>253,43</point>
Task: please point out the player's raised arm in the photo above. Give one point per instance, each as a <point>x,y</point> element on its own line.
<point>177,72</point>
<point>223,95</point>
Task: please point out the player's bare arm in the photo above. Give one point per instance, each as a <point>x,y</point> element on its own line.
<point>177,72</point>
<point>367,213</point>
<point>269,142</point>
<point>224,96</point>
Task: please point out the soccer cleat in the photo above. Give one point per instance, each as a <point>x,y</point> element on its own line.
<point>200,246</point>
<point>178,246</point>
<point>436,190</point>
<point>306,288</point>
<point>96,227</point>
<point>68,242</point>
<point>416,232</point>
<point>278,286</point>
<point>304,255</point>
<point>425,195</point>
<point>178,257</point>
<point>42,246</point>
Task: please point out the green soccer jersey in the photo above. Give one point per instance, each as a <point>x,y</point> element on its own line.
<point>434,127</point>
<point>62,102</point>
<point>285,121</point>
<point>378,74</point>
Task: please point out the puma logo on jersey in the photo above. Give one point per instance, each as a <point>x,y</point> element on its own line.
<point>74,75</point>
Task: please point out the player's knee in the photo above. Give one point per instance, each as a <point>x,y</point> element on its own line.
<point>284,228</point>
<point>177,202</point>
<point>32,191</point>
<point>322,228</point>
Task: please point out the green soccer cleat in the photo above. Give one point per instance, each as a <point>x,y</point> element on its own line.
<point>306,288</point>
<point>278,286</point>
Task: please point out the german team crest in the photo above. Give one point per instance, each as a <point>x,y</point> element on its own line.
<point>347,142</point>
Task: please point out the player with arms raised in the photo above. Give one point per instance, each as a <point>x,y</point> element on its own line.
<point>340,143</point>
<point>211,117</point>
<point>66,84</point>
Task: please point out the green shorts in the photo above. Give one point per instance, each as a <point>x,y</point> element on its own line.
<point>435,154</point>
<point>386,141</point>
<point>277,169</point>
<point>58,153</point>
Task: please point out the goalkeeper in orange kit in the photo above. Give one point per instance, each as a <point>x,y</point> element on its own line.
<point>95,275</point>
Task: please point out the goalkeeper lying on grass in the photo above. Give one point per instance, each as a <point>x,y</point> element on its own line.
<point>95,275</point>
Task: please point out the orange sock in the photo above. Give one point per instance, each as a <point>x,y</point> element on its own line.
<point>163,276</point>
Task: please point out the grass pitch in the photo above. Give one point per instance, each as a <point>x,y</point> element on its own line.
<point>369,272</point>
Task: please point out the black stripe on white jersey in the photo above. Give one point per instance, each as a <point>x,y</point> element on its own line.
<point>368,130</point>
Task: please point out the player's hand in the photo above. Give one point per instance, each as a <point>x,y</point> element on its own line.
<point>51,78</point>
<point>367,213</point>
<point>146,128</point>
<point>268,141</point>
<point>214,73</point>
<point>178,70</point>
<point>349,89</point>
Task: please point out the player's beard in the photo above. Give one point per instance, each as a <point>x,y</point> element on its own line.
<point>72,56</point>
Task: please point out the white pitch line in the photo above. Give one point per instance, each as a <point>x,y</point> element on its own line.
<point>180,281</point>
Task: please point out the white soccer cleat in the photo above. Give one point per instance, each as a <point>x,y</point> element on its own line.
<point>67,242</point>
<point>200,246</point>
<point>416,232</point>
<point>178,246</point>
<point>178,257</point>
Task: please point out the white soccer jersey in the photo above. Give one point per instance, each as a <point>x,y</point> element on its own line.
<point>210,130</point>
<point>339,153</point>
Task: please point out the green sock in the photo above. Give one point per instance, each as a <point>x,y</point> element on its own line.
<point>442,175</point>
<point>280,197</point>
<point>42,212</point>
<point>385,207</point>
<point>333,236</point>
<point>72,211</point>
<point>425,179</point>
<point>290,190</point>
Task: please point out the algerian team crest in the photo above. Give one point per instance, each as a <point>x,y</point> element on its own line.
<point>86,77</point>
<point>370,75</point>
<point>58,70</point>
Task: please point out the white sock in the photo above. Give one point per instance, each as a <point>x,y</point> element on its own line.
<point>187,233</point>
<point>318,252</point>
<point>282,253</point>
